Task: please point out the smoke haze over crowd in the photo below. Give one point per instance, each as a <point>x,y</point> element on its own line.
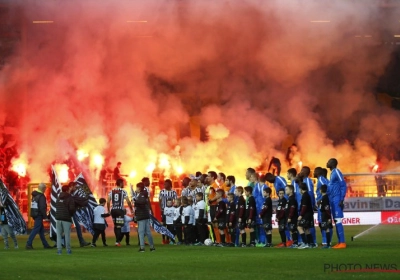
<point>116,78</point>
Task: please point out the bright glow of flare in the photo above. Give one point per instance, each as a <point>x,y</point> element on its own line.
<point>98,160</point>
<point>20,168</point>
<point>19,165</point>
<point>81,155</point>
<point>132,174</point>
<point>96,196</point>
<point>179,170</point>
<point>150,168</point>
<point>375,168</point>
<point>163,162</point>
<point>62,172</point>
<point>300,163</point>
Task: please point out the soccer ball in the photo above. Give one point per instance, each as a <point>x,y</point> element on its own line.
<point>208,242</point>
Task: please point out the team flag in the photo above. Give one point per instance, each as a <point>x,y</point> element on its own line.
<point>159,228</point>
<point>55,191</point>
<point>13,215</point>
<point>85,214</point>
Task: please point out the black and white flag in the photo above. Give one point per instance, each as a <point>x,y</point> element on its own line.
<point>85,214</point>
<point>55,191</point>
<point>13,215</point>
<point>159,228</point>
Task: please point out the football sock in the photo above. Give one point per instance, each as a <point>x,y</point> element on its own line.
<point>222,236</point>
<point>261,234</point>
<point>244,238</point>
<point>328,238</point>
<point>310,239</point>
<point>252,237</point>
<point>233,237</point>
<point>295,237</point>
<point>283,236</point>
<point>217,235</point>
<point>303,237</point>
<point>179,233</point>
<point>269,238</point>
<point>228,237</point>
<point>237,233</point>
<point>337,232</point>
<point>340,232</point>
<point>323,233</point>
<point>287,232</point>
<point>257,233</point>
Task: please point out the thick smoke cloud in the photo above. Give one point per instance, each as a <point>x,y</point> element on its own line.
<point>260,74</point>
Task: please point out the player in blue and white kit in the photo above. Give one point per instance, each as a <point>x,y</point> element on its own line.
<point>291,176</point>
<point>259,198</point>
<point>337,191</point>
<point>305,174</point>
<point>278,181</point>
<point>321,180</point>
<point>325,175</point>
<point>230,181</point>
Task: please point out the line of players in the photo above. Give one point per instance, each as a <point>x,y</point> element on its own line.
<point>221,211</point>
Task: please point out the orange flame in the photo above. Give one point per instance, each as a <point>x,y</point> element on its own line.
<point>62,172</point>
<point>97,160</point>
<point>150,168</point>
<point>19,165</point>
<point>132,174</point>
<point>81,155</point>
<point>179,170</point>
<point>20,168</point>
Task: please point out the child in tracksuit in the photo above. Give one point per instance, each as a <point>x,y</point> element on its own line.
<point>99,222</point>
<point>126,229</point>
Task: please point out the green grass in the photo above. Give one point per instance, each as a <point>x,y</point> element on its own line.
<point>380,246</point>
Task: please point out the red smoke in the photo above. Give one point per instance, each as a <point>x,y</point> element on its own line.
<point>118,77</point>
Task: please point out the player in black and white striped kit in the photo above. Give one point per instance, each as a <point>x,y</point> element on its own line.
<point>118,196</point>
<point>166,194</point>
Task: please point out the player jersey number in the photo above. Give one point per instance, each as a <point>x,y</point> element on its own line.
<point>116,197</point>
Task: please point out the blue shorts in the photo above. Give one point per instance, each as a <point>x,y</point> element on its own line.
<point>336,210</point>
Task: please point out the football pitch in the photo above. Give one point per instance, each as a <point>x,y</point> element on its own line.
<point>374,255</point>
